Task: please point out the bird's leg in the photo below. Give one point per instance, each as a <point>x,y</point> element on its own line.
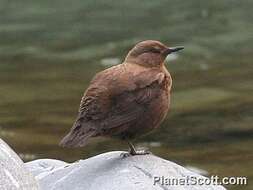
<point>133,151</point>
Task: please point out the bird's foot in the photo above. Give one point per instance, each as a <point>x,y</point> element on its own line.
<point>135,152</point>
<point>139,152</point>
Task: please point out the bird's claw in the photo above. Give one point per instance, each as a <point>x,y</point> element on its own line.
<point>140,152</point>
<point>134,153</point>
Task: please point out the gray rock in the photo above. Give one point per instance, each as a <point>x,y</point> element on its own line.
<point>197,170</point>
<point>40,166</point>
<point>13,174</point>
<point>110,171</point>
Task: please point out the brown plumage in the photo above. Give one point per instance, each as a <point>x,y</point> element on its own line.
<point>127,100</point>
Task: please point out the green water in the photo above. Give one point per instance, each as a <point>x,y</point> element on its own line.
<point>49,52</point>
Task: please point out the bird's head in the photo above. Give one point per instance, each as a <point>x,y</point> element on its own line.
<point>150,53</point>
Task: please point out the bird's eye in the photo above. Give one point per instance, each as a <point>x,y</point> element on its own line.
<point>154,50</point>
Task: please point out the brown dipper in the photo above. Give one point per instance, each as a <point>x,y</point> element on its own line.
<point>127,100</point>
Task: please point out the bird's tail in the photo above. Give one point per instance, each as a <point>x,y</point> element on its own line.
<point>76,139</point>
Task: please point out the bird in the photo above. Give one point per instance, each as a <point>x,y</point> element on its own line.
<point>127,100</point>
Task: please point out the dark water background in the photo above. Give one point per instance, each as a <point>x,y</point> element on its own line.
<point>49,51</point>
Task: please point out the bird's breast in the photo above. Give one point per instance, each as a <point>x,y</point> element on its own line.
<point>160,106</point>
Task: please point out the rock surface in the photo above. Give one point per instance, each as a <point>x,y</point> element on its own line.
<point>13,174</point>
<point>110,171</point>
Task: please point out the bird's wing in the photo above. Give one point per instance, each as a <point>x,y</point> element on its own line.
<point>129,104</point>
<point>114,98</point>
<point>107,88</point>
<point>129,107</point>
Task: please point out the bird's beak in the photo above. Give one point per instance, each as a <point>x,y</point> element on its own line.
<point>172,49</point>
